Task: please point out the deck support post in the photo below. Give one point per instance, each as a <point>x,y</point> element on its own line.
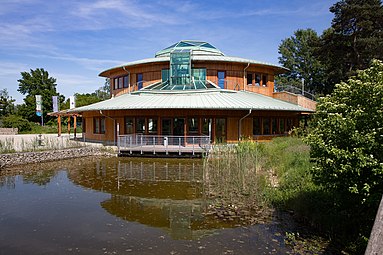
<point>179,145</point>
<point>130,143</point>
<point>141,146</point>
<point>193,145</point>
<point>154,145</point>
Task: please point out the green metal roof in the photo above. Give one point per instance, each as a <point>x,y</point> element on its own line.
<point>215,99</point>
<point>198,48</point>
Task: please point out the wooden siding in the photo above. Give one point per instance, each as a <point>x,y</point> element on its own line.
<point>235,75</point>
<point>232,121</point>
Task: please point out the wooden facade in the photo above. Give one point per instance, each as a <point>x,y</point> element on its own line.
<point>226,125</point>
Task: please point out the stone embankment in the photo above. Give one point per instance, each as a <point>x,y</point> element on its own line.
<point>13,159</point>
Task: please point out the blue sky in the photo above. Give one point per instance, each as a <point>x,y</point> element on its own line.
<point>74,40</point>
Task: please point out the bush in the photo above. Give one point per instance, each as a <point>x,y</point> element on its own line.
<point>14,121</point>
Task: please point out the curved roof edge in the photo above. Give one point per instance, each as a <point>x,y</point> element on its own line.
<point>196,58</point>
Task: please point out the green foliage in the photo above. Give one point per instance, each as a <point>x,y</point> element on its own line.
<point>36,82</point>
<point>6,103</point>
<point>14,121</point>
<point>297,54</point>
<point>347,137</point>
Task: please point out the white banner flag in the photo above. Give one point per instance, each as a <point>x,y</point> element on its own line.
<point>72,102</point>
<point>55,104</point>
<point>38,103</point>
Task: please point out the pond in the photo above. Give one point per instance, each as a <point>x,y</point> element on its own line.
<point>120,206</point>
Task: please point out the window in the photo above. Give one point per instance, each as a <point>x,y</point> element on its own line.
<point>221,79</point>
<point>126,81</point>
<point>281,126</point>
<point>99,125</point>
<point>120,82</point>
<point>257,126</point>
<point>257,79</point>
<point>264,80</point>
<point>266,126</point>
<point>152,126</point>
<point>140,125</point>
<point>165,75</point>
<point>274,126</point>
<point>180,68</point>
<point>129,125</point>
<point>249,78</point>
<point>205,126</point>
<point>102,125</point>
<point>166,127</point>
<point>220,130</point>
<point>199,76</point>
<point>193,125</point>
<point>139,81</point>
<point>115,83</point>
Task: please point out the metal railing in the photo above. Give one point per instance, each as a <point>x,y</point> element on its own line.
<point>294,90</point>
<point>162,143</point>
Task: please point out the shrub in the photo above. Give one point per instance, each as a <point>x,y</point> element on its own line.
<point>14,121</point>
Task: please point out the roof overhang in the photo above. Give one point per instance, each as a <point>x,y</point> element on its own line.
<point>205,99</point>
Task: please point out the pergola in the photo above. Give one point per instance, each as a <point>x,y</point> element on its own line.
<point>64,113</point>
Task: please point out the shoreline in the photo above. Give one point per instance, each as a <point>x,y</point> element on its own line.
<point>23,158</point>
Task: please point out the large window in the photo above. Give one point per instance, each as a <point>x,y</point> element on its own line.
<point>152,125</point>
<point>129,125</point>
<point>193,125</point>
<point>264,80</point>
<point>126,81</point>
<point>165,75</point>
<point>99,125</point>
<point>220,130</point>
<point>206,122</point>
<point>257,79</point>
<point>274,126</point>
<point>221,79</point>
<point>139,81</point>
<point>249,78</point>
<point>140,125</point>
<point>121,82</point>
<point>180,68</point>
<point>199,77</point>
<point>257,128</point>
<point>282,125</point>
<point>266,126</point>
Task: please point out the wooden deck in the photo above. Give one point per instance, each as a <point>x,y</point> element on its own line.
<point>161,146</point>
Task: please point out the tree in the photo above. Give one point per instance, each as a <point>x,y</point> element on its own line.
<point>297,54</point>
<point>6,103</point>
<point>347,139</point>
<point>36,82</point>
<point>354,39</point>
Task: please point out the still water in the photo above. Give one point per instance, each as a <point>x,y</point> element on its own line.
<point>119,206</point>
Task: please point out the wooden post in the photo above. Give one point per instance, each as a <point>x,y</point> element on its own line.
<point>74,125</point>
<point>375,244</point>
<point>59,125</point>
<point>69,125</point>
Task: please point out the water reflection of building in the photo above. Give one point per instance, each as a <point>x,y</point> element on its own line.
<point>155,193</point>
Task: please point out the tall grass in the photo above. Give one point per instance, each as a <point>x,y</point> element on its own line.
<point>279,174</point>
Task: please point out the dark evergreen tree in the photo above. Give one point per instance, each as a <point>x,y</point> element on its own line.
<point>354,39</point>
